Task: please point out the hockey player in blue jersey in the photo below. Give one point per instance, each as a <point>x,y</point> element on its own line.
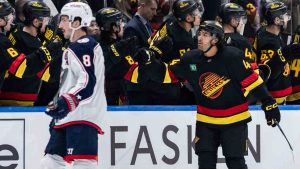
<point>78,110</point>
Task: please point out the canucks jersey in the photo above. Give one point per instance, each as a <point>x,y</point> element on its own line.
<point>16,63</point>
<point>82,74</point>
<point>294,97</point>
<point>22,91</point>
<point>7,54</point>
<point>220,83</point>
<point>266,46</point>
<point>237,40</point>
<point>182,42</point>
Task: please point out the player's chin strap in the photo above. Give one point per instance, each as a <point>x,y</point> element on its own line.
<point>209,47</point>
<point>5,18</point>
<point>38,28</point>
<point>73,31</point>
<point>2,29</point>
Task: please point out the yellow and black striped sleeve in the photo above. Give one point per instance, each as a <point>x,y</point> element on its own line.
<point>243,72</point>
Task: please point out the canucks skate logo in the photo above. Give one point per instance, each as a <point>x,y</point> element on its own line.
<point>212,84</point>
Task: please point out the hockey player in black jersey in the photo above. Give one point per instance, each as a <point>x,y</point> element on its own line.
<point>221,79</point>
<point>24,91</point>
<point>294,97</point>
<point>111,25</point>
<point>233,18</point>
<point>185,12</point>
<point>178,28</point>
<point>271,50</point>
<point>12,61</point>
<point>51,36</point>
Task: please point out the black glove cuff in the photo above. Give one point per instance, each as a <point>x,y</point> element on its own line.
<point>269,104</point>
<point>157,51</point>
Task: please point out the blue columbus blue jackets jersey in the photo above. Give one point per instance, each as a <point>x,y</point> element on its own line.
<point>82,74</point>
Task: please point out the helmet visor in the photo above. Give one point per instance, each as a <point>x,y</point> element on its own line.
<point>196,12</point>
<point>243,20</point>
<point>286,17</point>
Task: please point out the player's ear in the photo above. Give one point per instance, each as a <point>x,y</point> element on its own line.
<point>215,41</point>
<point>277,20</point>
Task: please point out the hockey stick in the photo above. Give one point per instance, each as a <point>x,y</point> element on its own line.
<point>292,151</point>
<point>277,124</point>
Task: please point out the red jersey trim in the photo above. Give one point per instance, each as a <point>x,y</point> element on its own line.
<point>254,66</point>
<point>70,158</point>
<point>249,80</point>
<point>172,76</point>
<point>222,112</point>
<point>15,65</point>
<point>296,88</point>
<point>130,72</point>
<point>18,96</point>
<point>281,93</point>
<point>41,73</point>
<point>100,131</point>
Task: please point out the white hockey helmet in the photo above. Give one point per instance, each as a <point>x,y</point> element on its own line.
<point>78,9</point>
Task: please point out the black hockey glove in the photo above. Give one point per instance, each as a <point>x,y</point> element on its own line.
<point>51,30</point>
<point>264,71</point>
<point>47,52</point>
<point>144,56</point>
<point>271,110</point>
<point>123,48</point>
<point>44,54</point>
<point>291,51</point>
<point>59,109</point>
<point>161,46</point>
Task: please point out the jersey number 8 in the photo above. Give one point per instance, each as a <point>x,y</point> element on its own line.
<point>12,52</point>
<point>86,59</point>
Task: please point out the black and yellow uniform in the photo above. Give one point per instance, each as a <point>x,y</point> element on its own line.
<point>294,97</point>
<point>267,47</point>
<point>214,80</point>
<point>237,40</point>
<point>117,54</point>
<point>221,80</point>
<point>141,89</point>
<point>15,63</point>
<point>221,84</point>
<point>115,70</point>
<point>182,40</point>
<point>50,84</point>
<point>229,14</point>
<point>54,37</point>
<point>242,43</point>
<point>272,50</point>
<point>166,93</point>
<point>8,54</point>
<point>22,91</point>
